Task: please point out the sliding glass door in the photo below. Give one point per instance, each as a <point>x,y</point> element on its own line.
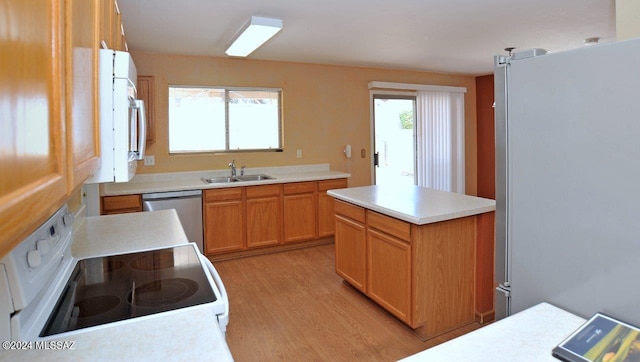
<point>394,119</point>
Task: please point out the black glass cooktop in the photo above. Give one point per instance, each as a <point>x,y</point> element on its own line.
<point>115,288</point>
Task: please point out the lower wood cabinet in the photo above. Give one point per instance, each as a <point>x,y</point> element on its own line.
<point>326,222</point>
<point>121,204</point>
<point>389,273</point>
<point>224,220</point>
<point>264,215</point>
<point>351,251</point>
<point>239,219</point>
<point>299,206</point>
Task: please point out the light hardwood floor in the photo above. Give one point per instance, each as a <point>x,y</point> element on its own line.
<point>291,306</point>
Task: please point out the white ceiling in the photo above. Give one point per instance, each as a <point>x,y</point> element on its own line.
<point>452,36</point>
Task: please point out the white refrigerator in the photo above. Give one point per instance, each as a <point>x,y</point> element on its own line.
<point>568,180</point>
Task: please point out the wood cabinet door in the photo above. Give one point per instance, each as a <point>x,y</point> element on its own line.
<point>299,217</point>
<point>263,221</point>
<point>326,219</point>
<point>117,30</point>
<point>224,226</point>
<point>146,92</point>
<point>81,90</point>
<point>389,273</point>
<point>121,204</point>
<point>351,248</point>
<point>33,158</point>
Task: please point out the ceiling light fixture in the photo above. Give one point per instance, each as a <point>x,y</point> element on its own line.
<point>252,35</point>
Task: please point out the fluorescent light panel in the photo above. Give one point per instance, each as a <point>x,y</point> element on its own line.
<point>258,31</point>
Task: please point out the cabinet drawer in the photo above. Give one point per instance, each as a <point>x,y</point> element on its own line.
<point>325,185</point>
<point>299,187</point>
<point>349,210</point>
<point>231,193</point>
<point>262,191</point>
<point>110,203</point>
<point>398,228</point>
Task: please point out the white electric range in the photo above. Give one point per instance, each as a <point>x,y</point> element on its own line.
<point>46,293</point>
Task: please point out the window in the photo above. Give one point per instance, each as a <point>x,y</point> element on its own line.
<point>204,119</point>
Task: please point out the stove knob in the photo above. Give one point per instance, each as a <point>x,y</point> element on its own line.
<point>67,219</point>
<point>33,259</point>
<point>43,246</point>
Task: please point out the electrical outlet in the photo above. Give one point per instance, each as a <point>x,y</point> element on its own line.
<point>149,160</point>
<point>299,153</point>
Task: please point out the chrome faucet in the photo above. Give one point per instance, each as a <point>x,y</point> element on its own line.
<point>232,164</point>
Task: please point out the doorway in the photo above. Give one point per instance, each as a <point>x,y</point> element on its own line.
<point>394,119</point>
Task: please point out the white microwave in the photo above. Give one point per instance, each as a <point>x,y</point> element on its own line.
<point>122,119</point>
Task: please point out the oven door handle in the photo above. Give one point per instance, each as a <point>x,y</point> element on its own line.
<point>223,319</point>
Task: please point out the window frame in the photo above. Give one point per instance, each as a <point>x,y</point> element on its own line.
<point>227,97</point>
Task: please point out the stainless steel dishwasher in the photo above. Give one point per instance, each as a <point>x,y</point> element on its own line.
<point>188,204</point>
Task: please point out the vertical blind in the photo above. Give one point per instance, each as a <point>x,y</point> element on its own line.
<point>440,140</point>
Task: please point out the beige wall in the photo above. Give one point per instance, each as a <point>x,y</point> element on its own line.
<point>627,19</point>
<point>324,108</point>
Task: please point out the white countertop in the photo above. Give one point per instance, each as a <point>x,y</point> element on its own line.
<point>526,336</point>
<point>124,233</point>
<point>414,204</point>
<point>177,181</point>
<point>186,334</point>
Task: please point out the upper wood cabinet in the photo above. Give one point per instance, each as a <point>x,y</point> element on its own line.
<point>111,29</point>
<point>48,107</point>
<point>81,90</point>
<point>146,86</point>
<point>33,158</point>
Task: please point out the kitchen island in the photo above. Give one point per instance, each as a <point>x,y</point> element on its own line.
<point>424,255</point>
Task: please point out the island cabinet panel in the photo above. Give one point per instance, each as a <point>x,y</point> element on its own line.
<point>395,227</point>
<point>224,220</point>
<point>425,275</point>
<point>389,273</point>
<point>326,223</point>
<point>264,215</point>
<point>299,204</point>
<point>444,275</point>
<point>351,248</point>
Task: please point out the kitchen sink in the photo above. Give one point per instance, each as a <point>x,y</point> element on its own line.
<point>228,179</point>
<point>219,180</point>
<point>254,177</point>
